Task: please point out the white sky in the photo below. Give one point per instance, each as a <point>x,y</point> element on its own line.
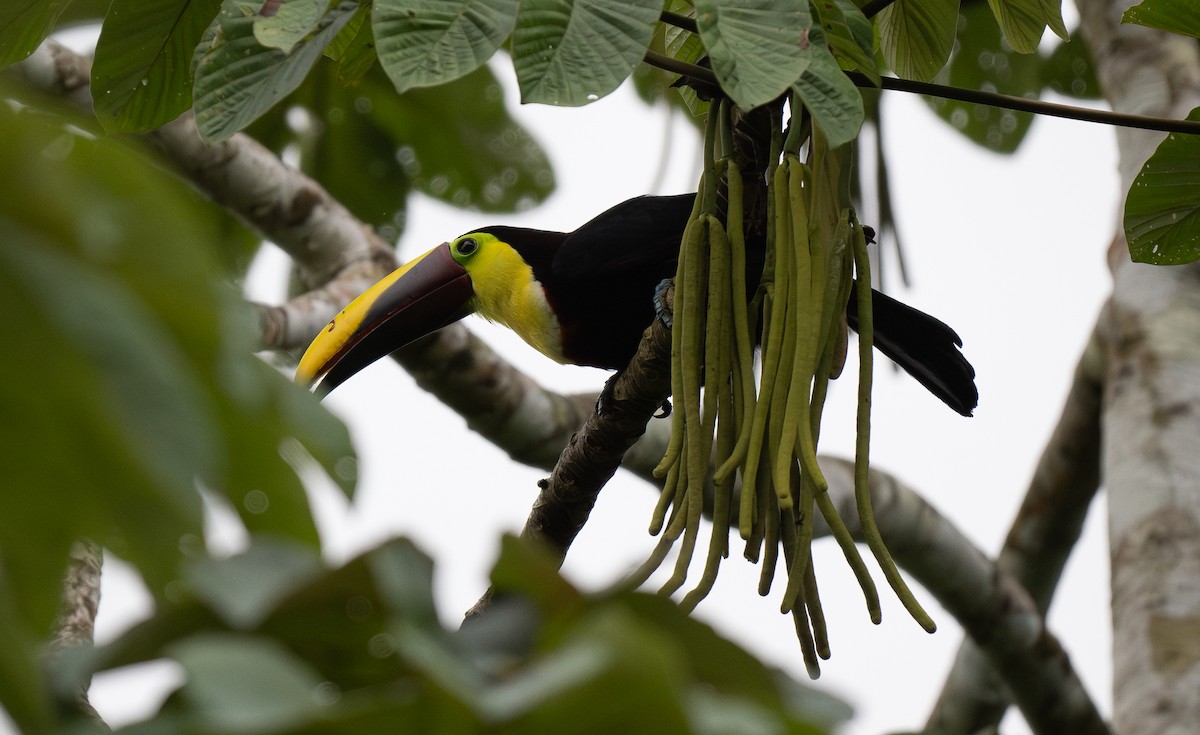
<point>1008,250</point>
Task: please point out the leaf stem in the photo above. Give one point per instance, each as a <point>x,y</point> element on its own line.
<point>872,8</point>
<point>680,21</point>
<point>695,71</point>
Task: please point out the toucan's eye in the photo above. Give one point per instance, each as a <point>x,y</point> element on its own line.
<point>467,245</point>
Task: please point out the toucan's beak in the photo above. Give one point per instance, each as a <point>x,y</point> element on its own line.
<point>414,300</point>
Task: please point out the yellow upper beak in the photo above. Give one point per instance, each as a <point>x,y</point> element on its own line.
<point>420,297</point>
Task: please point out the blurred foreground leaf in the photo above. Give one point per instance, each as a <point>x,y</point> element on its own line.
<point>359,648</point>
<point>130,382</point>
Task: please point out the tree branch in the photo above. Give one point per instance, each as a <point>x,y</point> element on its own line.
<point>1046,528</point>
<point>76,620</point>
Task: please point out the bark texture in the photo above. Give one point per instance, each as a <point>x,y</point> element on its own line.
<point>1151,419</point>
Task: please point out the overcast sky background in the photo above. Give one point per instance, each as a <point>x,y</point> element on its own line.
<point>1009,250</point>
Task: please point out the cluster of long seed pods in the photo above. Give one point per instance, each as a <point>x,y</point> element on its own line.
<point>732,421</point>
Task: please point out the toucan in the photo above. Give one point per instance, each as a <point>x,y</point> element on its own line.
<point>583,297</point>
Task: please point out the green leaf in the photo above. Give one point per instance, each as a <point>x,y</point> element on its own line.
<point>982,60</point>
<point>245,683</point>
<point>605,656</point>
<point>850,36</point>
<point>653,83</point>
<point>245,588</point>
<point>1023,21</point>
<point>1069,71</point>
<point>149,350</point>
<point>24,24</point>
<point>1176,16</point>
<point>288,23</point>
<point>754,46</point>
<point>1162,210</point>
<point>238,79</point>
<point>916,36</point>
<point>141,78</point>
<point>571,52</point>
<point>434,126</point>
<point>22,685</point>
<point>422,43</point>
<point>835,103</point>
<point>354,47</point>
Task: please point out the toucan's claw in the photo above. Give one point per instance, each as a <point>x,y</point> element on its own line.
<point>664,410</point>
<point>660,304</point>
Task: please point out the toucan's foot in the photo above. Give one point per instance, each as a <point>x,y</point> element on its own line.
<point>660,304</point>
<point>664,410</point>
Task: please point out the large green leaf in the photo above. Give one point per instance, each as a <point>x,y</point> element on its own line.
<point>287,22</point>
<point>141,78</point>
<point>422,43</point>
<point>571,52</point>
<point>982,60</point>
<point>245,588</point>
<point>156,391</point>
<point>243,683</point>
<point>354,47</point>
<point>238,79</point>
<point>755,47</point>
<point>458,143</point>
<point>24,24</point>
<point>1162,211</point>
<point>361,649</point>
<point>22,687</point>
<point>835,103</point>
<point>916,36</point>
<point>1177,16</point>
<point>1023,21</point>
<point>653,84</point>
<point>850,36</point>
<point>1069,70</point>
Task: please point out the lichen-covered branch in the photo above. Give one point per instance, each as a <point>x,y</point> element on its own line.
<point>76,619</point>
<point>1151,411</point>
<point>1046,528</point>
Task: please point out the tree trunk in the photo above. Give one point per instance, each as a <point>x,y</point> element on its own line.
<point>1151,419</point>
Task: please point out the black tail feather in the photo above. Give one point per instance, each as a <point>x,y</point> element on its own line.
<point>924,346</point>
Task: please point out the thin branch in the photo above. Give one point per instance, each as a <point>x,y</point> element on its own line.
<point>991,99</point>
<point>1043,533</point>
<point>76,619</point>
<point>694,71</point>
<point>1037,107</point>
